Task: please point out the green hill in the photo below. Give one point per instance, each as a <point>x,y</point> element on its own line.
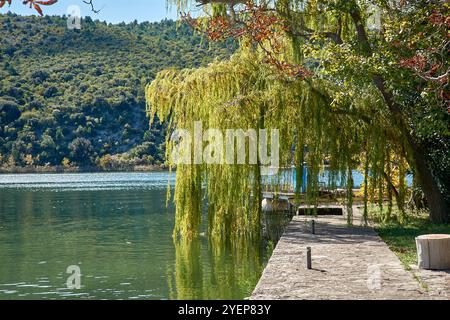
<point>76,97</point>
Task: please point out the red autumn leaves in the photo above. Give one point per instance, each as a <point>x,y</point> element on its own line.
<point>429,63</point>
<point>438,19</point>
<point>36,4</point>
<point>258,24</point>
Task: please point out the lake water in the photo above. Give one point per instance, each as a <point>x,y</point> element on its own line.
<point>117,229</point>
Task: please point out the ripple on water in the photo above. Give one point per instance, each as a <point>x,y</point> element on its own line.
<point>87,181</point>
<point>8,291</point>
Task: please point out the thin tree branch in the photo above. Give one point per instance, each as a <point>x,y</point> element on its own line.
<point>90,2</point>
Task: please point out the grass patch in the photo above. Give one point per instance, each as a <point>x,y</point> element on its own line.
<point>401,237</point>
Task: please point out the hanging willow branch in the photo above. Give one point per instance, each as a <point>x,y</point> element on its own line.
<point>244,93</point>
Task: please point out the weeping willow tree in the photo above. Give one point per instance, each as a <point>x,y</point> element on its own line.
<point>245,93</point>
<point>309,70</point>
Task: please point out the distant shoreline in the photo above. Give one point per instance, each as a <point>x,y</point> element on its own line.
<point>93,169</point>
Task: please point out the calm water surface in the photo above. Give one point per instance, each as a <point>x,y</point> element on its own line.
<point>118,230</point>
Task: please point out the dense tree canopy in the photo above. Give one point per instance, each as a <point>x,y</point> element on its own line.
<point>59,85</point>
<point>358,84</point>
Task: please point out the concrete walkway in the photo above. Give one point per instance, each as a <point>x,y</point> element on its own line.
<point>348,263</point>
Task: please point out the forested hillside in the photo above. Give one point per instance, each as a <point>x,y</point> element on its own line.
<point>76,97</point>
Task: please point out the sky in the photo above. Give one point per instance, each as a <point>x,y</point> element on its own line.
<point>114,11</point>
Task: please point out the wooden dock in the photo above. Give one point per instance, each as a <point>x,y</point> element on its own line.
<point>347,263</point>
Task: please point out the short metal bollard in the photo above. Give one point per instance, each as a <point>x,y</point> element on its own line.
<point>313,227</point>
<point>308,258</point>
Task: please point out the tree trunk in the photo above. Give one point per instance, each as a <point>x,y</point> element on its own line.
<point>435,199</point>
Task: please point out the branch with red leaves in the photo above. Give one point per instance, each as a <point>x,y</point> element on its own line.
<point>431,64</point>
<point>36,4</point>
<point>260,25</point>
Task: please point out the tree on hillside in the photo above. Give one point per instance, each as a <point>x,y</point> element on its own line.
<point>9,111</point>
<point>81,152</point>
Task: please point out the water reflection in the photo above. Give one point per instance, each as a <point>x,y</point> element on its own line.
<point>223,272</point>
<point>122,240</point>
<point>229,269</point>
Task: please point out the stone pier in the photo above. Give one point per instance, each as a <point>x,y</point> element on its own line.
<point>347,263</point>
